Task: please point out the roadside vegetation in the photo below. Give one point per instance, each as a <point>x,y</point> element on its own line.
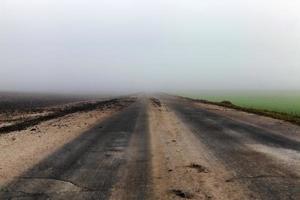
<point>285,107</point>
<point>279,101</point>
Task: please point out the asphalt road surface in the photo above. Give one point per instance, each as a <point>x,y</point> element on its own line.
<point>230,141</point>
<point>116,159</point>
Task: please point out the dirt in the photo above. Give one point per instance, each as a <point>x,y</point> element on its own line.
<point>178,164</point>
<point>155,102</point>
<point>159,147</point>
<point>198,167</point>
<point>182,194</point>
<point>274,125</point>
<point>255,156</point>
<point>20,150</point>
<point>87,106</point>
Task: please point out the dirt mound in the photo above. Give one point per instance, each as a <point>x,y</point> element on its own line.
<point>65,111</point>
<point>225,102</point>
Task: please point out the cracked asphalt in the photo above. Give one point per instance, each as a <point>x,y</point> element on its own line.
<point>115,158</point>
<point>232,142</point>
<point>87,167</point>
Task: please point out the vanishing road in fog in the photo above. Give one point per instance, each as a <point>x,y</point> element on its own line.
<point>167,147</point>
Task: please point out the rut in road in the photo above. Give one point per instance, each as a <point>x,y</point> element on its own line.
<point>229,140</point>
<point>178,151</point>
<point>90,166</point>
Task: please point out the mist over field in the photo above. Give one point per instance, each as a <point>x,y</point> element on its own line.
<point>274,100</point>
<point>160,45</point>
<point>155,99</point>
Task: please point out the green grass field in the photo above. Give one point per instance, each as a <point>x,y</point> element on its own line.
<point>280,101</point>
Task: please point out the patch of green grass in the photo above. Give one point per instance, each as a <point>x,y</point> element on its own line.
<point>284,105</point>
<point>293,118</point>
<point>278,101</point>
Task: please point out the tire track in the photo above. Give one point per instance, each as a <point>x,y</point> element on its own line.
<point>88,166</point>
<point>227,139</point>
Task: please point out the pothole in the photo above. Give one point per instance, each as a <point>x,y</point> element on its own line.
<point>182,194</point>
<point>199,168</point>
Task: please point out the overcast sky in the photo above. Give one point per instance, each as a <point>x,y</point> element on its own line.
<point>112,45</point>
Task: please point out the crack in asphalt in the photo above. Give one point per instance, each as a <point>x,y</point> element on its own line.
<point>259,177</point>
<point>212,130</point>
<point>88,166</point>
<point>117,159</point>
<point>59,180</point>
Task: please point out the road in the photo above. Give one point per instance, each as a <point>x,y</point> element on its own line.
<point>236,145</point>
<point>167,148</point>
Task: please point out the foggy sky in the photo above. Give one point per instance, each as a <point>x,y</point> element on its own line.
<point>134,45</point>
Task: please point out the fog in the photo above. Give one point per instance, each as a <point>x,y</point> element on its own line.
<point>158,45</point>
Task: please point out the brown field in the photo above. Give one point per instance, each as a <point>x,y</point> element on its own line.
<point>19,107</point>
